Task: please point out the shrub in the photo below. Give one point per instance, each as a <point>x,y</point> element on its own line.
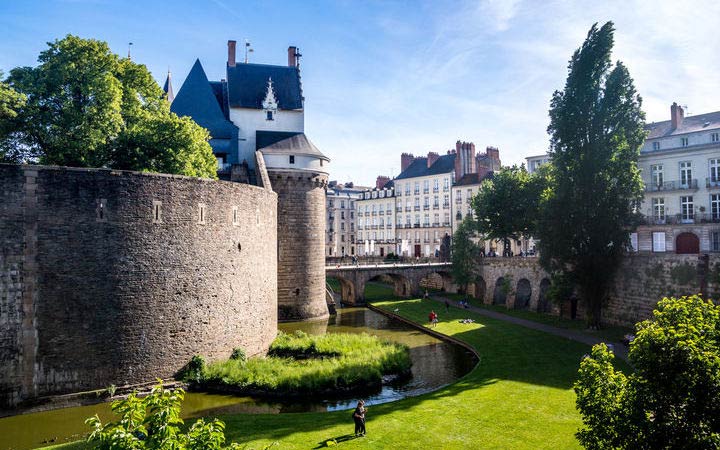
<point>238,354</point>
<point>193,370</point>
<point>672,400</point>
<point>153,422</point>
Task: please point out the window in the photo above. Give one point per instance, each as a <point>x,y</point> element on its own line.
<point>352,215</point>
<point>686,173</point>
<point>342,215</point>
<point>446,184</point>
<point>436,202</point>
<point>656,145</point>
<point>157,211</point>
<point>658,205</point>
<point>634,242</point>
<point>458,216</point>
<point>292,159</point>
<point>715,207</point>
<point>684,142</point>
<point>427,220</point>
<point>342,239</point>
<point>715,238</point>
<point>342,204</point>
<point>714,165</point>
<point>407,189</point>
<point>658,241</point>
<point>235,215</point>
<point>201,213</point>
<point>446,201</point>
<point>436,185</point>
<point>417,187</point>
<point>715,137</point>
<point>342,226</point>
<point>220,162</point>
<point>417,220</point>
<point>269,115</point>
<point>656,172</point>
<point>686,208</point>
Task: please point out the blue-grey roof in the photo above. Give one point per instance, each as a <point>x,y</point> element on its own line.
<point>689,124</point>
<point>247,85</point>
<point>286,143</point>
<point>199,100</point>
<point>419,168</point>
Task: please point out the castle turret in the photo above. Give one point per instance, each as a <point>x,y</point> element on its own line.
<point>298,174</point>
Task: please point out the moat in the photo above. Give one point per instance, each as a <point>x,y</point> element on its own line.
<point>435,364</point>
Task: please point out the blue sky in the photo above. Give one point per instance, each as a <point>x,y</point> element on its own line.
<point>385,77</point>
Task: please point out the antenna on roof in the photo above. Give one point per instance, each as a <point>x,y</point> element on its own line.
<point>248,49</point>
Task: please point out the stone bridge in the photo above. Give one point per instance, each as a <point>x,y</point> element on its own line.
<point>516,282</point>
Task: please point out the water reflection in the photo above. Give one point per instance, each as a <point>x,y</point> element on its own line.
<point>435,364</point>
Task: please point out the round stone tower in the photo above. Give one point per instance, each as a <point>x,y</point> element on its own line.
<point>298,174</point>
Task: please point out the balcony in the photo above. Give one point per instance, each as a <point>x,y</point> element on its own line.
<point>446,205</point>
<point>359,214</point>
<point>388,212</point>
<point>672,186</point>
<point>399,193</point>
<point>417,225</point>
<point>360,227</point>
<point>417,191</point>
<point>436,190</point>
<point>374,213</point>
<point>381,212</point>
<point>446,188</point>
<point>712,183</point>
<point>398,209</point>
<point>436,224</point>
<point>373,227</point>
<point>446,224</point>
<point>426,225</point>
<point>436,206</point>
<point>426,190</point>
<point>426,207</point>
<point>408,208</point>
<point>417,208</point>
<point>458,200</point>
<point>331,217</point>
<point>468,200</point>
<point>676,219</point>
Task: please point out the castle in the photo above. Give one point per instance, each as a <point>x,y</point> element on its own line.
<point>114,277</point>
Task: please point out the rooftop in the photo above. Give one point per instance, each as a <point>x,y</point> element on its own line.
<point>419,168</point>
<point>689,124</point>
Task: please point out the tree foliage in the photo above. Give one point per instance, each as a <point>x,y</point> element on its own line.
<point>672,400</point>
<point>464,253</point>
<point>87,107</point>
<point>596,129</point>
<point>11,102</point>
<point>153,422</point>
<point>506,207</point>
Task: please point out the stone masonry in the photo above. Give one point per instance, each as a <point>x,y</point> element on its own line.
<point>110,277</point>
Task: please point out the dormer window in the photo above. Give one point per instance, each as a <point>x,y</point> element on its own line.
<point>270,104</point>
<point>656,146</point>
<point>269,115</point>
<point>292,159</point>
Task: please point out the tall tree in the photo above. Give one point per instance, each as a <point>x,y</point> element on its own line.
<point>10,103</point>
<point>87,107</point>
<point>506,206</point>
<point>464,253</point>
<point>596,130</point>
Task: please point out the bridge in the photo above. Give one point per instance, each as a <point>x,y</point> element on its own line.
<point>515,282</point>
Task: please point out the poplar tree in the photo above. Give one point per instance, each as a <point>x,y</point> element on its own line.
<point>464,254</point>
<point>596,130</point>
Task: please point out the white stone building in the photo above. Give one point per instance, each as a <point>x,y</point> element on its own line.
<point>534,162</point>
<point>340,207</point>
<point>375,213</point>
<point>680,165</point>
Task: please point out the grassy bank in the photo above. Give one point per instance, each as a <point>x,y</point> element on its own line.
<point>519,396</point>
<point>302,364</point>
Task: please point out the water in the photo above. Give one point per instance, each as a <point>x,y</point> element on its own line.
<point>435,364</point>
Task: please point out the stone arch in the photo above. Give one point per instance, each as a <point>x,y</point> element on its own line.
<point>400,284</point>
<point>347,291</point>
<point>544,305</point>
<point>500,292</point>
<point>523,294</point>
<point>687,243</point>
<point>480,288</point>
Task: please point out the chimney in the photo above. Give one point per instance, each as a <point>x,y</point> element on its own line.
<point>405,160</point>
<point>292,56</point>
<point>676,115</point>
<point>381,181</point>
<point>431,158</point>
<point>231,53</point>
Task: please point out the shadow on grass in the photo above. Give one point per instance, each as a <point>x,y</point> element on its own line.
<point>336,440</point>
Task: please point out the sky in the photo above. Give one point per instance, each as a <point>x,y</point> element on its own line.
<point>385,77</point>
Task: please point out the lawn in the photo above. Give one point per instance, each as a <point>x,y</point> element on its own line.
<point>609,333</point>
<point>519,396</point>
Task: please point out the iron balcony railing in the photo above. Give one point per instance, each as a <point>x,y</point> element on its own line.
<point>417,208</point>
<point>398,209</point>
<point>436,190</point>
<point>381,212</point>
<point>388,212</point>
<point>408,208</point>
<point>675,219</point>
<point>672,186</point>
<point>712,183</point>
<point>436,206</point>
<point>426,207</point>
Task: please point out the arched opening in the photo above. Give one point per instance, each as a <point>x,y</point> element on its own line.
<point>501,291</point>
<point>687,243</point>
<point>340,290</point>
<point>432,283</point>
<point>386,286</point>
<point>543,302</point>
<point>480,289</point>
<point>523,293</point>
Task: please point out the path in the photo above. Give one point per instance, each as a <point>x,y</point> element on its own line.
<point>620,350</point>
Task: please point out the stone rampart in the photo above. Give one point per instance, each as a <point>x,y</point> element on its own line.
<point>110,277</point>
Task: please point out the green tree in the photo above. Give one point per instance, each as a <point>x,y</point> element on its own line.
<point>596,129</point>
<point>506,206</point>
<point>153,422</point>
<point>87,107</point>
<point>464,253</point>
<point>672,399</point>
<point>10,103</point>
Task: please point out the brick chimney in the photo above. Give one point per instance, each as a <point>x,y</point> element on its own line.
<point>381,181</point>
<point>676,115</point>
<point>431,158</point>
<point>292,56</point>
<point>231,53</point>
<point>405,160</point>
<point>465,159</point>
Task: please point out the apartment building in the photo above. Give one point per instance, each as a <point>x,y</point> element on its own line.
<point>341,223</point>
<point>375,213</point>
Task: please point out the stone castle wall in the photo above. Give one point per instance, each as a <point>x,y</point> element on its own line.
<point>301,244</point>
<point>111,277</point>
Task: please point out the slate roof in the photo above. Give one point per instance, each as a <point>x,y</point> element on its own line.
<point>419,168</point>
<point>168,89</point>
<point>197,99</point>
<point>286,143</point>
<point>247,85</point>
<point>690,124</point>
<point>472,178</point>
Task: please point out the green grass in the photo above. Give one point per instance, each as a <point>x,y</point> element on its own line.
<point>378,291</point>
<point>334,284</point>
<point>302,364</point>
<point>518,397</point>
<point>610,333</point>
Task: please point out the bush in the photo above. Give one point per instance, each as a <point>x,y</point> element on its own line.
<point>193,370</point>
<point>238,354</point>
<point>154,422</point>
<point>672,400</point>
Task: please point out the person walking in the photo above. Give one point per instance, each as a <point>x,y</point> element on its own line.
<point>359,418</point>
<point>447,305</point>
<point>433,318</point>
